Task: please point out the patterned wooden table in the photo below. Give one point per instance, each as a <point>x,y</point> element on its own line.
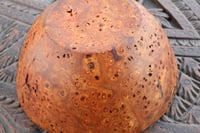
<point>179,18</point>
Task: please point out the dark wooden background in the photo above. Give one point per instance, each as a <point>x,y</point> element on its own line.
<point>179,18</point>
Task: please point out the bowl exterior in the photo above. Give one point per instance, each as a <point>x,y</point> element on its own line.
<point>82,74</point>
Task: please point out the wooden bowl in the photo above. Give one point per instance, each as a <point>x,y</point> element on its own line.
<point>96,66</point>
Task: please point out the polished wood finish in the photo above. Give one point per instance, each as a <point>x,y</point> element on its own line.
<point>96,66</point>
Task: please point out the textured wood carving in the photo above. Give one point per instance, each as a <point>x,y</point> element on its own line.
<point>13,119</point>
<point>191,9</point>
<point>11,38</point>
<point>174,22</point>
<point>179,18</point>
<point>185,108</point>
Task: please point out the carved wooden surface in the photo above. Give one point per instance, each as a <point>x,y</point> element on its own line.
<point>179,18</point>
